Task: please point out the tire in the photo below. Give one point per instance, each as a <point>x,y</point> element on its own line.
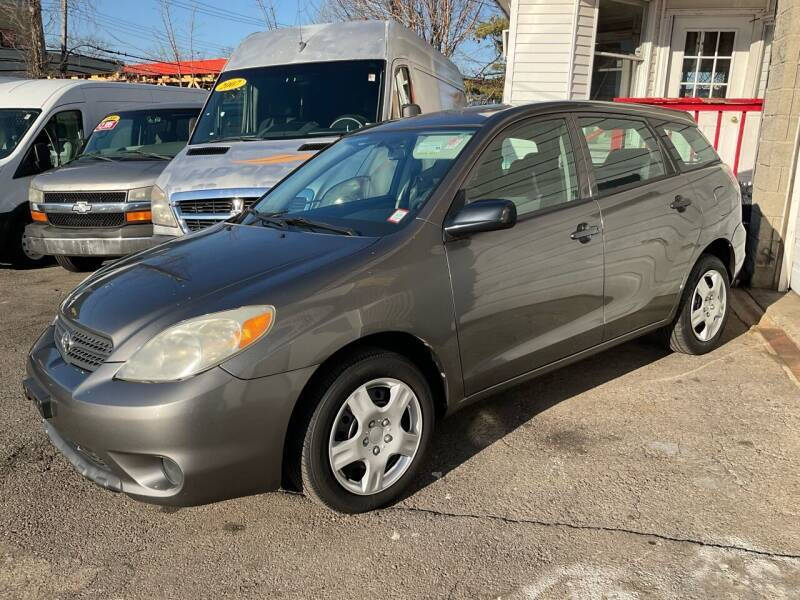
<point>709,301</point>
<point>370,438</point>
<point>17,251</point>
<point>80,264</point>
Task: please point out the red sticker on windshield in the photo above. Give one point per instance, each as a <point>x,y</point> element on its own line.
<point>108,123</point>
<point>397,215</point>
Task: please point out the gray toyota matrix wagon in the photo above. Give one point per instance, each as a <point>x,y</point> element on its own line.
<point>405,271</point>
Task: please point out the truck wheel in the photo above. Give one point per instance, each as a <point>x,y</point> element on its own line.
<point>19,255</point>
<point>80,264</point>
<point>704,308</point>
<point>368,434</point>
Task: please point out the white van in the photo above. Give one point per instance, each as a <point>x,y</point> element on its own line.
<point>283,96</point>
<point>42,126</point>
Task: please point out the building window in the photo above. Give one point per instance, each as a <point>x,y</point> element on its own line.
<point>617,48</point>
<point>707,60</point>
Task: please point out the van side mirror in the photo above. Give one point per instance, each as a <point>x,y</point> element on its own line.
<point>410,110</point>
<point>41,157</point>
<point>483,215</point>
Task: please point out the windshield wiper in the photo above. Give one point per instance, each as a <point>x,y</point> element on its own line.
<point>232,138</point>
<point>301,222</point>
<point>150,154</point>
<point>269,218</point>
<point>96,155</point>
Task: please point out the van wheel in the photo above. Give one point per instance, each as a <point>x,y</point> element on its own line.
<point>19,254</point>
<point>80,264</point>
<point>704,309</point>
<point>368,434</point>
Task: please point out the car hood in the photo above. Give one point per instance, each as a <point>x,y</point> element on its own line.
<point>255,164</point>
<point>96,175</point>
<point>223,267</point>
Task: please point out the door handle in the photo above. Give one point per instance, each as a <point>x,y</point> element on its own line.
<point>584,233</point>
<point>680,203</point>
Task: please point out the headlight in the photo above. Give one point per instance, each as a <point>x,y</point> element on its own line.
<point>198,344</point>
<point>159,206</point>
<point>140,194</point>
<point>35,196</point>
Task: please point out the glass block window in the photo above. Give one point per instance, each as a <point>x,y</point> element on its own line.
<point>707,60</point>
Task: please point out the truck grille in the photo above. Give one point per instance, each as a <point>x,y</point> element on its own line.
<point>81,347</point>
<point>90,197</point>
<point>87,220</point>
<point>205,212</point>
<point>199,224</point>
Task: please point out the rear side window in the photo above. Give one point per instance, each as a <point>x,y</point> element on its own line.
<point>687,145</point>
<point>623,152</point>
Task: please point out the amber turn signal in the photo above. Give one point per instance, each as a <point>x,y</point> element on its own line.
<point>255,327</point>
<point>38,216</point>
<point>138,216</point>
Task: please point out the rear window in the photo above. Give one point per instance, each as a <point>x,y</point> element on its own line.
<point>687,145</point>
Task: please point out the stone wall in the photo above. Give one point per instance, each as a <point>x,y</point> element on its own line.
<point>774,169</point>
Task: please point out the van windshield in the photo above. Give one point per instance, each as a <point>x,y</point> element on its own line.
<point>370,184</point>
<point>14,124</point>
<point>156,134</point>
<point>292,101</point>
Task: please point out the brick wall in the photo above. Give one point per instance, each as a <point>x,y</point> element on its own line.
<point>776,152</point>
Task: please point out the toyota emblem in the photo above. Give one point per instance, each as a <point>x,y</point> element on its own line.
<point>66,341</point>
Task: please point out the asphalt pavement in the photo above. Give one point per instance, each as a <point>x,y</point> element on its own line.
<point>637,473</point>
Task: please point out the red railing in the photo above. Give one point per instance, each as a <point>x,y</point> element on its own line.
<point>718,105</point>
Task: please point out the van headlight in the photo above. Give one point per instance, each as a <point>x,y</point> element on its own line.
<point>35,195</point>
<point>197,344</point>
<point>162,211</point>
<point>140,194</point>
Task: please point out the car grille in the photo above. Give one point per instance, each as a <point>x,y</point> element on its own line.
<point>203,213</point>
<point>87,220</point>
<point>90,197</point>
<point>81,347</point>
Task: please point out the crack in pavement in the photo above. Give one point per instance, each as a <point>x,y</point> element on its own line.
<point>563,525</point>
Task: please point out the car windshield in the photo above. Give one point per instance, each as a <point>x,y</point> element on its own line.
<point>157,134</point>
<point>370,184</point>
<point>14,123</point>
<point>292,101</point>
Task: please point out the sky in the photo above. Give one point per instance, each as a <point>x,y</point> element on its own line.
<point>136,27</point>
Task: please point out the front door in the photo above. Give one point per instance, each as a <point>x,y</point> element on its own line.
<point>530,295</point>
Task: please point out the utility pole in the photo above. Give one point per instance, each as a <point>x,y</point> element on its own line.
<point>63,65</point>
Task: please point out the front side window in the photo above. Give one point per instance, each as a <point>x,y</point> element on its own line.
<point>623,151</point>
<point>687,145</point>
<point>14,124</point>
<point>371,184</point>
<point>532,165</point>
<point>292,101</point>
<point>58,142</point>
<point>138,134</point>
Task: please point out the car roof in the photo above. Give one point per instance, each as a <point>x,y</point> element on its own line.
<point>492,114</point>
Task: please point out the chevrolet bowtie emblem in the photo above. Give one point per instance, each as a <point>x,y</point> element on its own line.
<point>81,207</point>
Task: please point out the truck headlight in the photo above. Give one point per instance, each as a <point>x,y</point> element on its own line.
<point>140,194</point>
<point>35,195</point>
<point>197,344</point>
<point>162,211</point>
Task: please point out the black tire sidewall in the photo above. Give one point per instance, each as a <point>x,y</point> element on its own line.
<point>315,448</point>
<point>80,264</point>
<point>705,264</point>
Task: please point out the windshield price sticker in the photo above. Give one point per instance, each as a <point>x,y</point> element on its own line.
<point>397,215</point>
<point>441,145</point>
<point>231,84</point>
<point>108,123</point>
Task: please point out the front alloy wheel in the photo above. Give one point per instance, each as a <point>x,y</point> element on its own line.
<point>368,432</point>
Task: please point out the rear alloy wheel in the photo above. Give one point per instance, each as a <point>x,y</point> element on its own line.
<point>704,308</point>
<point>80,264</point>
<point>20,253</point>
<point>366,437</point>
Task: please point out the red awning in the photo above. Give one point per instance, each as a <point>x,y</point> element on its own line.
<point>211,66</point>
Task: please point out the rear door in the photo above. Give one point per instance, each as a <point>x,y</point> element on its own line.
<point>530,295</point>
<point>651,220</point>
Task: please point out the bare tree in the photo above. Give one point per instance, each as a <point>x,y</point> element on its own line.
<point>444,24</point>
<point>268,10</point>
<point>169,30</point>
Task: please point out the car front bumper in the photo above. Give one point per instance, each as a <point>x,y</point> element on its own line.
<point>44,238</point>
<point>225,435</point>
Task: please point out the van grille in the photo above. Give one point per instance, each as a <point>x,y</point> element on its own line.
<point>202,213</point>
<point>199,224</point>
<point>90,197</point>
<point>81,347</point>
<point>87,220</point>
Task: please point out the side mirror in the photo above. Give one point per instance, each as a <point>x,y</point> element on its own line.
<point>483,215</point>
<point>41,157</point>
<point>410,110</point>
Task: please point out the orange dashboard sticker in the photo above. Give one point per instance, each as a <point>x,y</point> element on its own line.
<point>276,159</point>
<point>231,84</point>
<point>108,123</point>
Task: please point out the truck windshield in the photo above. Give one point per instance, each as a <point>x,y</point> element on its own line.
<point>370,184</point>
<point>141,134</point>
<point>14,124</point>
<point>292,101</point>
